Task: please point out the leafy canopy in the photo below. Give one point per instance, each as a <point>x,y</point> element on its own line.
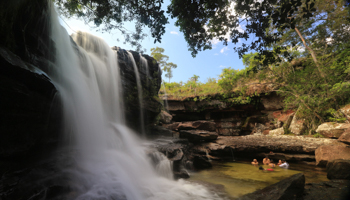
<point>248,20</point>
<point>112,15</point>
<point>157,54</point>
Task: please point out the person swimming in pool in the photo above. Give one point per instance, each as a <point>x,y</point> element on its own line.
<point>279,162</point>
<point>268,169</point>
<point>284,164</point>
<point>271,164</point>
<point>255,162</point>
<point>266,161</point>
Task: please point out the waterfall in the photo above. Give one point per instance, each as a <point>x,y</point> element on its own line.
<point>139,90</point>
<point>165,99</point>
<point>144,63</point>
<point>108,160</point>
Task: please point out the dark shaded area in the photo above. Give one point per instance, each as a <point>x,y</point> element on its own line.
<point>150,87</point>
<point>335,190</point>
<point>288,189</point>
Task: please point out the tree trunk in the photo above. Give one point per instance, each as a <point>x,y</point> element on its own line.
<point>311,51</point>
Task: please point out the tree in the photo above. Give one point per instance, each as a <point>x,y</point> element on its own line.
<point>157,54</point>
<point>194,78</point>
<point>113,14</point>
<point>241,20</point>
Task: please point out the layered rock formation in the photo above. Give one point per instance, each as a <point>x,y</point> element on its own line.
<point>150,76</point>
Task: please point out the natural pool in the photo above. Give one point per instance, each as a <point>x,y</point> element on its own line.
<point>239,178</point>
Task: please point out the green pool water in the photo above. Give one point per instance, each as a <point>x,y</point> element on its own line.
<point>242,178</point>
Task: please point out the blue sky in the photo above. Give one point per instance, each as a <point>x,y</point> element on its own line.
<point>207,64</point>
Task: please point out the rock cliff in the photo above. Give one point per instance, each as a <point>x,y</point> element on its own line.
<point>30,107</point>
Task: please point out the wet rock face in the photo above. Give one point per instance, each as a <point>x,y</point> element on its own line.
<point>332,129</point>
<point>335,190</point>
<point>338,169</point>
<point>30,107</point>
<point>30,111</point>
<point>150,78</point>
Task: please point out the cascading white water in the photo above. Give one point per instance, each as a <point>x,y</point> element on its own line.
<point>144,64</point>
<point>165,98</point>
<point>108,159</point>
<point>139,91</point>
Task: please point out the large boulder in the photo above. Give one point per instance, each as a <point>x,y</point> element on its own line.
<point>201,124</point>
<point>165,117</point>
<point>172,126</point>
<point>332,129</point>
<point>346,111</point>
<point>198,135</point>
<point>345,137</point>
<point>297,126</point>
<point>327,153</point>
<point>338,169</point>
<point>282,118</point>
<point>288,189</point>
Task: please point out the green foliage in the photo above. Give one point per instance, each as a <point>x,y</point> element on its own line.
<point>317,135</point>
<point>201,21</point>
<point>192,89</point>
<point>157,54</point>
<point>299,82</point>
<point>111,15</point>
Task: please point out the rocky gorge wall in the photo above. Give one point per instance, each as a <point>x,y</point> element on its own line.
<point>217,129</point>
<point>231,119</point>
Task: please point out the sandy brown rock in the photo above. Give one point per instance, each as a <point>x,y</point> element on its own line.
<point>283,118</point>
<point>172,126</point>
<point>346,111</point>
<point>165,117</point>
<point>327,153</point>
<point>332,129</point>
<point>201,124</point>
<point>345,137</point>
<point>262,143</point>
<point>297,126</point>
<point>279,131</point>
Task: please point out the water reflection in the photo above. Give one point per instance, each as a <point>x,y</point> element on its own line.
<point>243,178</point>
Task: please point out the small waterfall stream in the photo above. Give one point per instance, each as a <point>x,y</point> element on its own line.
<point>139,90</point>
<point>165,98</point>
<point>108,159</point>
<point>144,63</point>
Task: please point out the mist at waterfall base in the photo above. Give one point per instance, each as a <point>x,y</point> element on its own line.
<point>108,159</point>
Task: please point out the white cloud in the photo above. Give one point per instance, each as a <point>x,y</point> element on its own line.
<point>174,33</point>
<point>216,54</point>
<point>222,67</point>
<point>224,49</point>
